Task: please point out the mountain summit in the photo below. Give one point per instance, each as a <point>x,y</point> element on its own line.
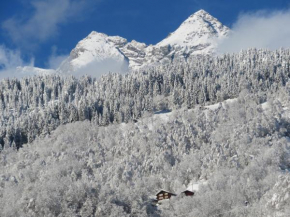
<point>200,30</point>
<point>97,51</point>
<point>197,35</point>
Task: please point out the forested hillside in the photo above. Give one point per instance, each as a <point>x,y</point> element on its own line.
<point>240,149</point>
<point>36,106</point>
<point>87,147</point>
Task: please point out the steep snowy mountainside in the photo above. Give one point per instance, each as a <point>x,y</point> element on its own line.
<point>135,52</point>
<point>199,34</point>
<point>95,50</point>
<point>99,47</point>
<point>199,29</point>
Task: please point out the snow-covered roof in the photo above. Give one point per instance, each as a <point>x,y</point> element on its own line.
<point>165,192</point>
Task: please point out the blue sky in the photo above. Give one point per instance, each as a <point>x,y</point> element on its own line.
<point>45,31</point>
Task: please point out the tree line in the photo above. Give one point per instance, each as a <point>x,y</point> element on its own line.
<point>35,106</point>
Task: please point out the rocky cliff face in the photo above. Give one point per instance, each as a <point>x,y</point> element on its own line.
<point>135,52</point>
<point>197,35</point>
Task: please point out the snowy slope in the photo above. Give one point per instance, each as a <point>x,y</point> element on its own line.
<point>221,104</point>
<point>195,186</point>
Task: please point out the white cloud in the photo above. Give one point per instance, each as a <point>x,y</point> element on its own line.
<point>56,59</point>
<point>262,29</point>
<point>9,61</point>
<point>9,58</point>
<point>44,23</point>
<point>96,69</point>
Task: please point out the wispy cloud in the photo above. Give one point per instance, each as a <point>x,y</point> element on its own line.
<point>45,21</point>
<point>97,69</point>
<point>10,60</point>
<point>55,58</point>
<point>262,29</point>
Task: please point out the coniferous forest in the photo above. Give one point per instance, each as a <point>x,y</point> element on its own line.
<point>103,147</point>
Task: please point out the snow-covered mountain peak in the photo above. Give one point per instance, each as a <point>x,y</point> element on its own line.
<point>199,34</point>
<point>205,18</point>
<point>202,17</point>
<point>96,48</point>
<point>98,34</point>
<point>102,37</point>
<point>201,13</point>
<point>199,31</point>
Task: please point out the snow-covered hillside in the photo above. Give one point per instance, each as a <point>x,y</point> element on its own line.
<point>91,170</point>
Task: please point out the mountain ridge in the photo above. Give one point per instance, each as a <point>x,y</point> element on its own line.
<point>197,35</point>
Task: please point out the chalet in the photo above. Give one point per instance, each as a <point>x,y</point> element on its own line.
<point>162,195</point>
<point>188,193</point>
